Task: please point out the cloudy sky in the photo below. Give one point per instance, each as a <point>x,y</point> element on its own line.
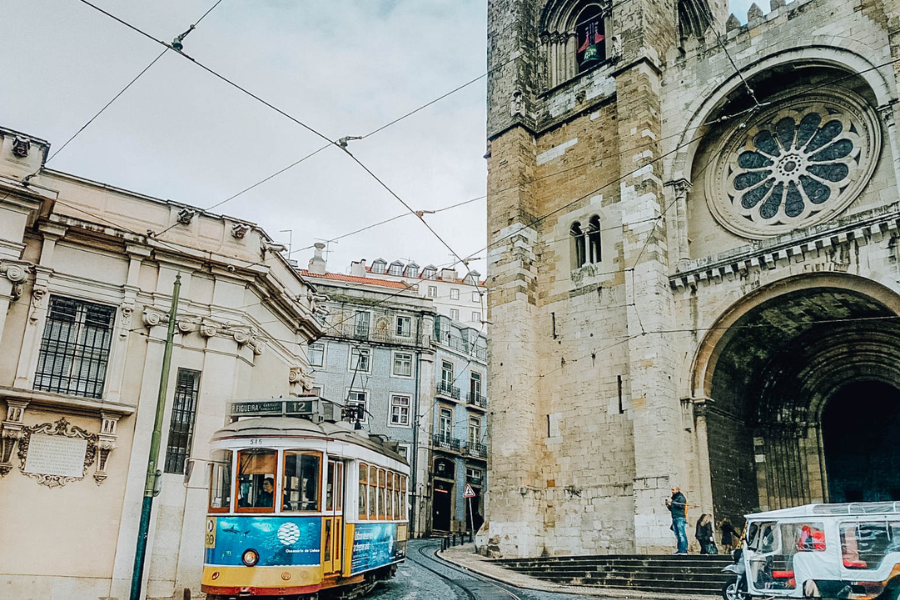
<point>345,67</point>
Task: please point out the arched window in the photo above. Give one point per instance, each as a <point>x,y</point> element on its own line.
<point>590,38</point>
<point>593,240</point>
<point>574,38</point>
<point>578,252</point>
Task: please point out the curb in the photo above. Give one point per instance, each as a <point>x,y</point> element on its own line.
<point>483,567</point>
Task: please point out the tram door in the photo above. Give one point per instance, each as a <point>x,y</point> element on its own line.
<point>333,521</point>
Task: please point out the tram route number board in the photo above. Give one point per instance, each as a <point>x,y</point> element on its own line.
<point>272,408</point>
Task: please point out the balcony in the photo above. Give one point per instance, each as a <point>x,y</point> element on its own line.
<point>477,400</point>
<point>461,345</point>
<point>476,450</point>
<point>446,442</point>
<point>364,333</point>
<point>445,388</point>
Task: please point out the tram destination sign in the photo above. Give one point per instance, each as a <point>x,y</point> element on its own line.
<point>279,407</point>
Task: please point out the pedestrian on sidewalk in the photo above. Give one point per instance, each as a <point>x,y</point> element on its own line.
<point>677,505</point>
<point>704,535</point>
<point>730,536</point>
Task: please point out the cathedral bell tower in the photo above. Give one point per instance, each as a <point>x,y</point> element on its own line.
<point>586,430</point>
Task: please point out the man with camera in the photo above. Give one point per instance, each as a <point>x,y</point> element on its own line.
<point>677,505</point>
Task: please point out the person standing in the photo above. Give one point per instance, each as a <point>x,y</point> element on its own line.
<point>677,505</point>
<point>704,535</point>
<point>730,536</point>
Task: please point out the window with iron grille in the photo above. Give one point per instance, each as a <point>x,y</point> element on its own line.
<point>184,413</point>
<point>75,348</point>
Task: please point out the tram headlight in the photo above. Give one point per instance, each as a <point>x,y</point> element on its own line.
<point>250,557</point>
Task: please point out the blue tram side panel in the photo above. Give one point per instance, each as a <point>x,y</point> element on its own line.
<point>279,541</point>
<point>374,545</point>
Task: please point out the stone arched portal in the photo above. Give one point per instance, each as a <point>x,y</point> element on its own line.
<point>778,365</point>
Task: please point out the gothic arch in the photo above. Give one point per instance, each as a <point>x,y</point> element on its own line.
<point>719,333</point>
<point>766,370</point>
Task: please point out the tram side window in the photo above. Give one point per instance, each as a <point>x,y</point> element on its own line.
<point>301,481</point>
<point>256,480</point>
<point>398,511</point>
<point>403,497</point>
<point>865,544</point>
<point>382,506</point>
<point>220,481</point>
<point>373,492</point>
<point>389,497</point>
<point>334,488</point>
<point>363,490</point>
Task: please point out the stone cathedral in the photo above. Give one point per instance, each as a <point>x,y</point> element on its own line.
<point>694,264</point>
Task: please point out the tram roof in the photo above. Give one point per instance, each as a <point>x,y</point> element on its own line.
<point>293,426</point>
<point>825,510</point>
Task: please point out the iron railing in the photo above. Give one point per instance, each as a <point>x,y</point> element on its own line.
<point>476,449</point>
<point>477,400</point>
<point>447,389</point>
<point>446,442</point>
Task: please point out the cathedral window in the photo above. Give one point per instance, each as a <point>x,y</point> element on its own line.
<point>585,242</point>
<point>593,240</point>
<point>574,38</point>
<point>578,249</point>
<point>794,165</point>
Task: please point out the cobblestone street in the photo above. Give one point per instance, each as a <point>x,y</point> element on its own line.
<point>424,577</point>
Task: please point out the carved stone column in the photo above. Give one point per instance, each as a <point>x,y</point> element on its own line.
<point>11,432</point>
<point>681,187</point>
<point>701,406</point>
<point>106,443</point>
<point>887,114</point>
<point>14,275</point>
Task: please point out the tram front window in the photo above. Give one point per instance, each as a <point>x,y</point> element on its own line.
<point>256,479</point>
<point>301,481</point>
<point>220,481</point>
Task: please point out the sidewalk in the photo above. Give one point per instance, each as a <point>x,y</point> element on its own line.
<point>464,556</point>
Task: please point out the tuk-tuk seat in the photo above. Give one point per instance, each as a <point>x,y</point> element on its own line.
<point>855,564</point>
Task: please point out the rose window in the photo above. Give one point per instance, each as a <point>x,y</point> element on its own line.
<point>797,164</point>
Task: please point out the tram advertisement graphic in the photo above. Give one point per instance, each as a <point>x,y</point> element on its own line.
<point>279,541</point>
<point>374,545</point>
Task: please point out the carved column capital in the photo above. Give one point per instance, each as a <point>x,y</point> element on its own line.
<point>11,432</point>
<point>152,317</point>
<point>681,186</point>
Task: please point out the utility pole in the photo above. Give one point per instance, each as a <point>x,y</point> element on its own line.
<point>153,473</point>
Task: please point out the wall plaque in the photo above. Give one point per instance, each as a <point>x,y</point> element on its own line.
<point>56,455</point>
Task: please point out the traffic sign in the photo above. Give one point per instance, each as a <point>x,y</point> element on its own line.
<point>469,492</point>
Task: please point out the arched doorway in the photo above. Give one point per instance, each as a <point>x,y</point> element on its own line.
<point>785,367</point>
<point>860,427</point>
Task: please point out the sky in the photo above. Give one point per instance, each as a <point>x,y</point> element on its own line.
<point>344,67</point>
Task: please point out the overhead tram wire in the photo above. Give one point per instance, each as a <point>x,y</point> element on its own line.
<point>722,119</point>
<point>292,119</point>
<point>123,90</point>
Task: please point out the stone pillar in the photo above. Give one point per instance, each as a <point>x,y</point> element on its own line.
<point>656,408</point>
<point>681,188</point>
<point>701,406</point>
<point>514,515</point>
<point>31,343</point>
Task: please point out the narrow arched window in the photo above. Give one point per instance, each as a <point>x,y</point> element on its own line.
<point>578,252</point>
<point>593,240</point>
<point>590,38</point>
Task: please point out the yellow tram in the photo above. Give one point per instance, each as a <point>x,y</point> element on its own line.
<point>300,503</point>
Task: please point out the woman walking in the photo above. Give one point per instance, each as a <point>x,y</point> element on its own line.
<point>704,535</point>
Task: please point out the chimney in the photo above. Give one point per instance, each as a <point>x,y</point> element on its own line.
<point>317,262</point>
<point>449,275</point>
<point>358,268</point>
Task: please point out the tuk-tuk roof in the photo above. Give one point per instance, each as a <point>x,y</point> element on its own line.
<point>820,510</point>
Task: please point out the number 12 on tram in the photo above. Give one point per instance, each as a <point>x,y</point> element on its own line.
<point>299,505</point>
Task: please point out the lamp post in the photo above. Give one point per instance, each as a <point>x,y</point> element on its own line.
<point>153,473</point>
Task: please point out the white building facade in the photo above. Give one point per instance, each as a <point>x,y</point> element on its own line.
<point>87,281</point>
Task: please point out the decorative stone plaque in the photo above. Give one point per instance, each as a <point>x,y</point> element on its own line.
<point>56,455</point>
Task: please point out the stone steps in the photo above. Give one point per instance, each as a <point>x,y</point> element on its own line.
<point>691,574</point>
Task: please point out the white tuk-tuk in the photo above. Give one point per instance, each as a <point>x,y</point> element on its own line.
<point>825,551</point>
